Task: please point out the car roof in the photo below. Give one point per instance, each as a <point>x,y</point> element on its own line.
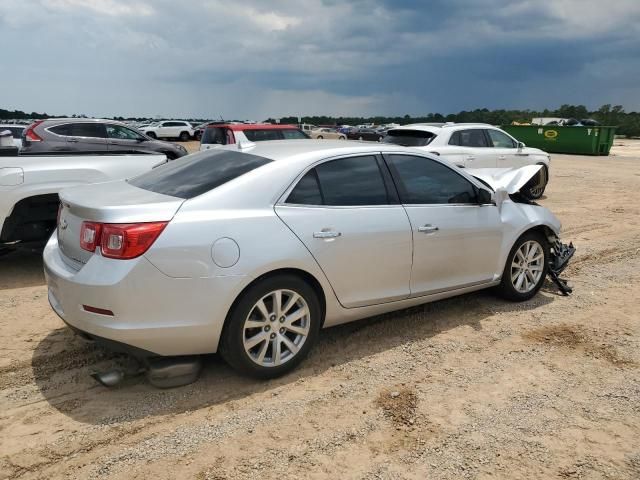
<point>238,127</point>
<point>440,127</point>
<point>20,125</point>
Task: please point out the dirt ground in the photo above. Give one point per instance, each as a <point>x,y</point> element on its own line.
<point>471,387</point>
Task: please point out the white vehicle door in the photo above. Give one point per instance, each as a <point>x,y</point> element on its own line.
<point>472,147</point>
<point>456,241</point>
<point>346,213</point>
<point>506,150</point>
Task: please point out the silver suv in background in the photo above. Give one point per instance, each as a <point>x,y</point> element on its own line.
<point>92,136</point>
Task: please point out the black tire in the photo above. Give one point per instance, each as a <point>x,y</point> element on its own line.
<point>231,346</point>
<point>319,137</point>
<point>170,155</point>
<point>185,137</point>
<point>536,186</point>
<point>152,135</point>
<point>342,137</point>
<point>507,289</point>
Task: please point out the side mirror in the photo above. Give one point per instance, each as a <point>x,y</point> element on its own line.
<point>521,145</point>
<point>499,196</point>
<point>484,196</point>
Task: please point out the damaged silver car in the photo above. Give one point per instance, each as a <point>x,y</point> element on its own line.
<point>251,251</point>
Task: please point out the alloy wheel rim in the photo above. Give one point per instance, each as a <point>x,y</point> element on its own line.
<point>276,328</point>
<point>527,266</point>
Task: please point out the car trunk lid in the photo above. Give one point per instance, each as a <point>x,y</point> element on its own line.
<point>110,202</point>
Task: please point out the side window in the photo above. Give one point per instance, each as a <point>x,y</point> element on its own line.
<point>307,191</point>
<point>469,138</point>
<point>64,130</point>
<point>293,135</point>
<point>424,181</point>
<point>501,140</point>
<point>121,133</point>
<point>91,130</point>
<point>262,135</point>
<point>352,181</point>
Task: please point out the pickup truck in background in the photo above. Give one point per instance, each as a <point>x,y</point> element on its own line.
<point>29,187</point>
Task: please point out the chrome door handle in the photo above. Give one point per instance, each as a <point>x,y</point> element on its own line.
<point>73,140</point>
<point>428,228</point>
<point>324,234</point>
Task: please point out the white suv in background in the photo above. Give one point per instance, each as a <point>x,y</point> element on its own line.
<point>170,129</point>
<point>474,145</point>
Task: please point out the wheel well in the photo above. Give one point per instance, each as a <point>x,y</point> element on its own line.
<point>32,219</point>
<point>545,231</point>
<point>306,276</point>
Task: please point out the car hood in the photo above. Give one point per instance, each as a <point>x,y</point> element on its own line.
<point>511,179</point>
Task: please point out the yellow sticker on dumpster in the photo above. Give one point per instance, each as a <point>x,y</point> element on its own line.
<point>551,134</point>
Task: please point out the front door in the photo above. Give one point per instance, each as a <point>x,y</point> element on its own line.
<point>456,241</point>
<point>344,213</point>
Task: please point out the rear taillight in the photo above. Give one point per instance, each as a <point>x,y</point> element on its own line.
<point>122,241</point>
<point>30,134</point>
<point>90,236</point>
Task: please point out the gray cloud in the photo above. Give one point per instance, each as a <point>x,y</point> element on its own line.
<point>252,59</point>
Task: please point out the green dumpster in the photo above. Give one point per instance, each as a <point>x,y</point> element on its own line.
<point>556,139</point>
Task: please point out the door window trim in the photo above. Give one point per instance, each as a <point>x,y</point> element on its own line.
<point>472,181</point>
<point>393,199</point>
<point>48,129</point>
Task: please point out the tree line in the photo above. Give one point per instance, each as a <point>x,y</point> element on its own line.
<point>628,123</point>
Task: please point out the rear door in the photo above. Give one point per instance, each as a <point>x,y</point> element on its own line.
<point>456,241</point>
<point>81,137</point>
<point>472,149</point>
<point>347,215</point>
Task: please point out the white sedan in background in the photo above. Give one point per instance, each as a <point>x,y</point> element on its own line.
<point>251,251</point>
<point>474,145</point>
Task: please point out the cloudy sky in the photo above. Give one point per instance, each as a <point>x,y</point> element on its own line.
<point>254,59</point>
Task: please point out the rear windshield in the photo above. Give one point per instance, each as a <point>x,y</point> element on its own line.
<point>215,135</point>
<point>198,173</point>
<point>274,134</point>
<point>409,138</point>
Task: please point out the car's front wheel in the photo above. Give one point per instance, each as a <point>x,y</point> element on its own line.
<point>184,136</point>
<point>526,267</point>
<point>272,327</point>
<point>537,185</point>
<point>152,135</point>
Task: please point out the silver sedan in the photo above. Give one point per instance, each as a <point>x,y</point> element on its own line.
<point>251,251</point>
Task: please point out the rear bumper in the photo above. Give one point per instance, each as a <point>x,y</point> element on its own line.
<point>153,314</point>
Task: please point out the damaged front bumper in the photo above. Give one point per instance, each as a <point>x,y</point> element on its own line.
<point>561,253</point>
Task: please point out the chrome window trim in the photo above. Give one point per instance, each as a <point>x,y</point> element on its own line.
<point>47,129</point>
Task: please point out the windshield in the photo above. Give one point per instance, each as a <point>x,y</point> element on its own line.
<point>409,138</point>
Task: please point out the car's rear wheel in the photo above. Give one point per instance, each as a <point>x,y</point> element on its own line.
<point>342,137</point>
<point>536,186</point>
<point>184,136</point>
<point>152,135</point>
<point>272,327</point>
<point>526,267</point>
<point>319,137</point>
